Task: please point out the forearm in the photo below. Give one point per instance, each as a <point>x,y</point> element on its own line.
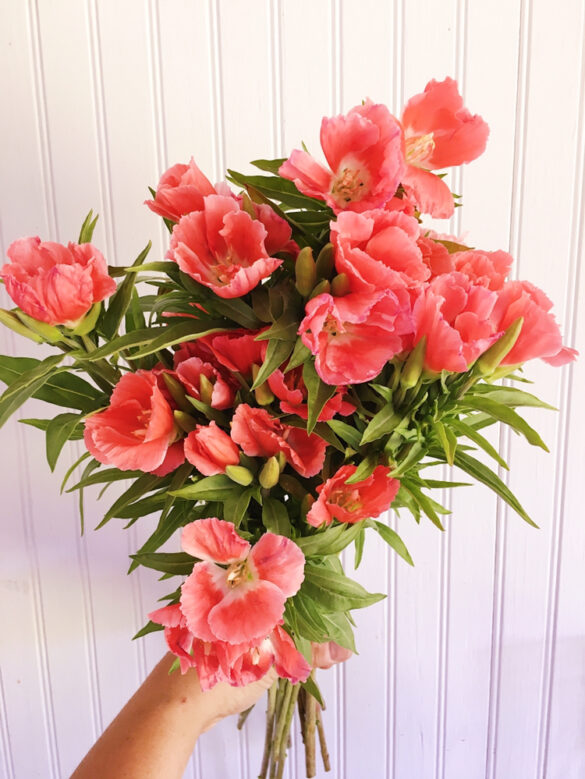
<point>155,733</point>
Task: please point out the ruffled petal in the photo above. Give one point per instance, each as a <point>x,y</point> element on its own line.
<point>430,193</point>
<point>248,612</point>
<point>279,560</point>
<point>200,593</point>
<point>215,540</point>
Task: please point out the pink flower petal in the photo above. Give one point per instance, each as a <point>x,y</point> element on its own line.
<point>202,590</point>
<point>248,612</point>
<point>279,560</point>
<point>430,193</point>
<point>288,661</point>
<point>215,540</point>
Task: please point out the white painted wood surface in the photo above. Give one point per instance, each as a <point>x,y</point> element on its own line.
<point>475,665</point>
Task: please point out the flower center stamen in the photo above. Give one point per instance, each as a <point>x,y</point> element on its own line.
<point>236,573</point>
<point>349,186</point>
<point>419,148</point>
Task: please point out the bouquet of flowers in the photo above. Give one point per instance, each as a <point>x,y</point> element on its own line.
<point>292,369</point>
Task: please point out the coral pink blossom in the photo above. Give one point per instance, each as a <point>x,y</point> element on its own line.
<point>278,230</point>
<point>353,502</point>
<point>326,655</point>
<point>174,457</point>
<point>245,601</point>
<point>291,391</point>
<point>180,191</point>
<point>237,350</point>
<point>435,256</point>
<point>439,132</point>
<point>489,269</point>
<point>137,428</point>
<point>261,435</point>
<point>378,250</point>
<point>222,247</point>
<point>177,635</point>
<point>189,373</point>
<point>210,450</point>
<point>540,335</point>
<point>353,337</point>
<point>364,153</point>
<point>53,283</point>
<point>454,315</point>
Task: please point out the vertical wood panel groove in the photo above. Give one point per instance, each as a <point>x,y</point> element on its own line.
<point>5,735</point>
<point>276,88</point>
<point>516,211</point>
<point>216,88</point>
<point>570,308</point>
<point>40,107</point>
<point>102,143</point>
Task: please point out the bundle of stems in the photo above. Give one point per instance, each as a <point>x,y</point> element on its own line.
<point>283,698</point>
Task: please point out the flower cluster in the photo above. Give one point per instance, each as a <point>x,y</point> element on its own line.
<point>312,346</point>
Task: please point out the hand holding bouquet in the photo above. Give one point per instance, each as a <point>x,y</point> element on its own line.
<point>301,357</point>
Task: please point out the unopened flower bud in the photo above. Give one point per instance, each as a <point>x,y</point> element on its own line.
<point>184,421</point>
<point>239,474</point>
<point>269,474</point>
<point>322,287</point>
<point>263,393</point>
<point>205,389</point>
<point>413,366</point>
<point>87,323</point>
<point>306,504</point>
<point>305,271</point>
<point>177,392</point>
<point>340,285</point>
<point>281,457</point>
<point>325,262</point>
<point>48,333</point>
<point>491,359</point>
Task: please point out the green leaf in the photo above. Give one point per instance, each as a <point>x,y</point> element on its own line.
<point>61,389</point>
<point>318,393</point>
<point>271,166</point>
<point>277,188</point>
<point>70,470</point>
<point>275,517</point>
<point>463,429</point>
<point>486,476</point>
<point>359,546</point>
<point>364,469</point>
<point>447,439</point>
<point>59,430</point>
<point>87,228</point>
<point>237,310</point>
<point>308,621</point>
<point>339,630</point>
<point>506,415</point>
<point>143,484</point>
<point>334,591</point>
<point>105,476</point>
<point>509,396</point>
<point>321,429</point>
<point>218,487</point>
<point>10,320</point>
<point>428,505</point>
<point>276,353</point>
<point>236,506</point>
<point>391,538</point>
<point>284,329</point>
<point>167,525</point>
<point>346,432</point>
<point>300,354</point>
<point>150,627</point>
<point>24,387</point>
<point>119,302</point>
<point>310,685</point>
<point>175,563</point>
<point>329,541</point>
<point>384,422</point>
<point>134,318</point>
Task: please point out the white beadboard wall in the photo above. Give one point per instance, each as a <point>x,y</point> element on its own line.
<point>474,668</point>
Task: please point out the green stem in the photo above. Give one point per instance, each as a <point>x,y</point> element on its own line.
<point>280,722</point>
<point>286,730</point>
<point>270,710</point>
<point>310,724</point>
<point>322,741</point>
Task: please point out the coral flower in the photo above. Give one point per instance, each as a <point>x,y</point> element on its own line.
<point>353,502</point>
<point>136,430</point>
<point>364,153</point>
<point>292,393</point>
<point>53,283</point>
<point>328,654</point>
<point>455,317</point>
<point>353,337</point>
<point>244,601</point>
<point>222,247</point>
<point>540,335</point>
<point>261,435</point>
<point>210,450</point>
<point>190,372</point>
<point>490,269</point>
<point>378,250</point>
<point>180,191</point>
<point>439,132</point>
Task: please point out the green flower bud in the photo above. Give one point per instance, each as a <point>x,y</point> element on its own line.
<point>340,285</point>
<point>205,389</point>
<point>10,319</point>
<point>48,333</point>
<point>184,421</point>
<point>263,393</point>
<point>325,262</point>
<point>239,474</point>
<point>305,271</point>
<point>322,286</point>
<point>491,359</point>
<point>177,392</point>
<point>269,474</point>
<point>414,364</point>
<point>87,323</point>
